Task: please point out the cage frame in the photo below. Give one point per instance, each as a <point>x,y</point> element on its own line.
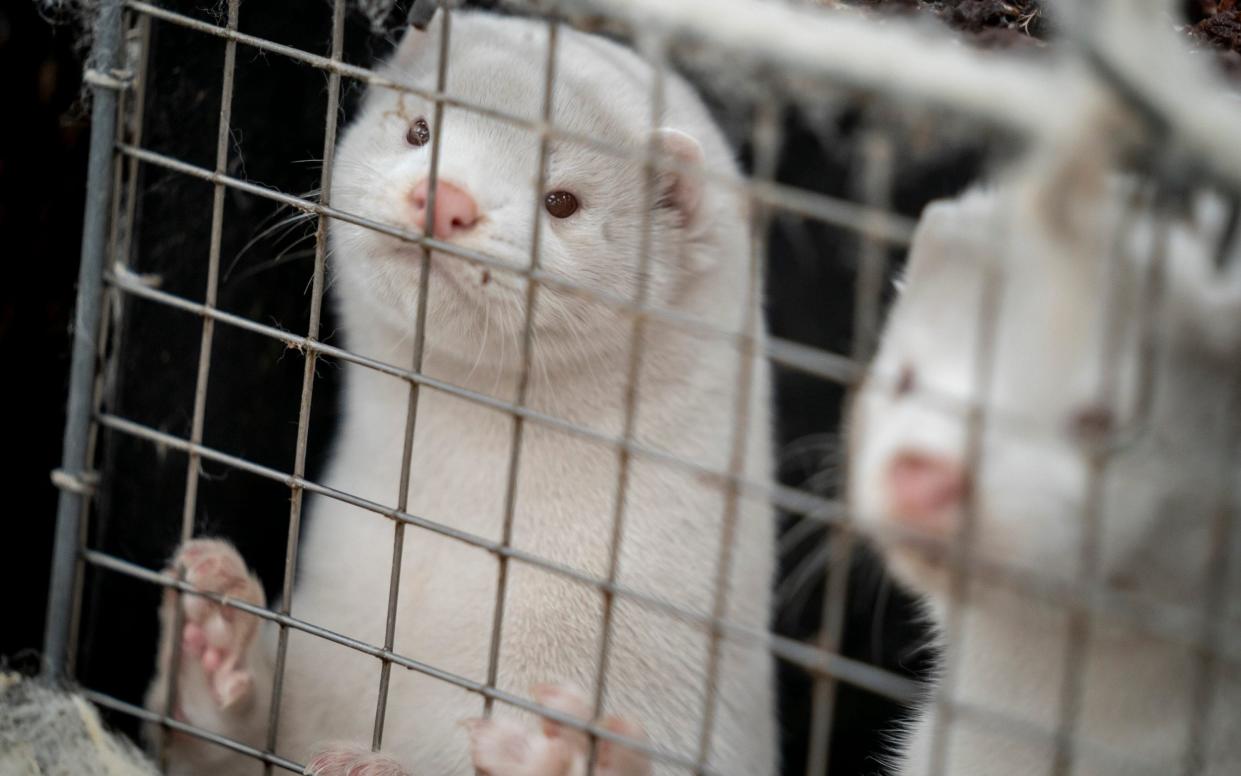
<point>877,227</point>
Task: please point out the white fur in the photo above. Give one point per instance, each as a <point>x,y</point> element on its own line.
<point>1045,237</point>
<point>566,485</point>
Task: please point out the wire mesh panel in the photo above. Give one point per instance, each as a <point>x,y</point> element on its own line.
<point>846,129</point>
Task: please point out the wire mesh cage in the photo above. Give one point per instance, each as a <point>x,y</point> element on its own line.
<point>207,365</point>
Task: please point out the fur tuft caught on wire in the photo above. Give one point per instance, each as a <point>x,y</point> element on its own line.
<point>48,732</point>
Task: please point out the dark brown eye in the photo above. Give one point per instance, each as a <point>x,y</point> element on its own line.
<point>418,133</point>
<point>1092,424</point>
<point>561,204</point>
<point>906,382</point>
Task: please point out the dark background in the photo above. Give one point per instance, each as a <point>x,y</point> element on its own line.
<point>43,143</point>
<point>255,383</point>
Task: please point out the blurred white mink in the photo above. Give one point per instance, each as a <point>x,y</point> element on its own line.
<point>1064,383</point>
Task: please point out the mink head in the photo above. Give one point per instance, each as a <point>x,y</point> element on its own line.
<point>1059,362</point>
<point>598,209</point>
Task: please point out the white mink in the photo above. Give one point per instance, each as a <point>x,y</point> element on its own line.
<point>673,517</point>
<point>1047,238</point>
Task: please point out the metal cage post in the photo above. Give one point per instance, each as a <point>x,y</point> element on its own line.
<point>72,477</point>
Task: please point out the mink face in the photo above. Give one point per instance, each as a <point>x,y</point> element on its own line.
<point>591,203</point>
<point>1024,355</point>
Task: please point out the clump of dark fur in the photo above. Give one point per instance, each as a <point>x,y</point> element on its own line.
<point>987,23</point>
<point>1221,30</point>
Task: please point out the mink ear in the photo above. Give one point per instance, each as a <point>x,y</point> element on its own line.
<point>422,12</point>
<point>950,232</point>
<point>415,43</point>
<point>680,189</point>
<point>939,229</point>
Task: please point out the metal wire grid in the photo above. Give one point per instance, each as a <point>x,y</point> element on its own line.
<point>873,222</point>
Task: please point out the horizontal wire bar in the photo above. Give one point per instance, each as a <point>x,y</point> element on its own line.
<point>816,362</point>
<point>811,360</point>
<point>991,717</point>
<point>127,568</point>
<point>1166,622</point>
<point>787,497</point>
<point>802,502</point>
<point>805,358</point>
<point>878,224</point>
<point>116,704</point>
<point>802,357</point>
<point>809,658</point>
<point>1153,619</point>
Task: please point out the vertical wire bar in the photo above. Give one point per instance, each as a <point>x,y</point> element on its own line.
<point>223,135</point>
<point>110,322</point>
<point>130,26</point>
<point>1223,545</point>
<point>523,380</point>
<point>143,34</point>
<point>74,460</point>
<point>107,302</point>
<point>766,158</point>
<point>877,175</point>
<point>411,411</point>
<point>657,55</point>
<point>961,560</point>
<point>872,267</point>
<point>308,378</point>
<point>1098,458</point>
<point>1079,629</point>
<point>1214,605</point>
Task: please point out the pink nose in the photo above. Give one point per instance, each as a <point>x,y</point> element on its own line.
<point>924,488</point>
<point>455,210</point>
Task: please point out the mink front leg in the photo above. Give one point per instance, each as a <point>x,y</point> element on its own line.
<point>224,675</point>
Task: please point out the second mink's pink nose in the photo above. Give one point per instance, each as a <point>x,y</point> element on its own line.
<point>455,210</point>
<point>924,489</point>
